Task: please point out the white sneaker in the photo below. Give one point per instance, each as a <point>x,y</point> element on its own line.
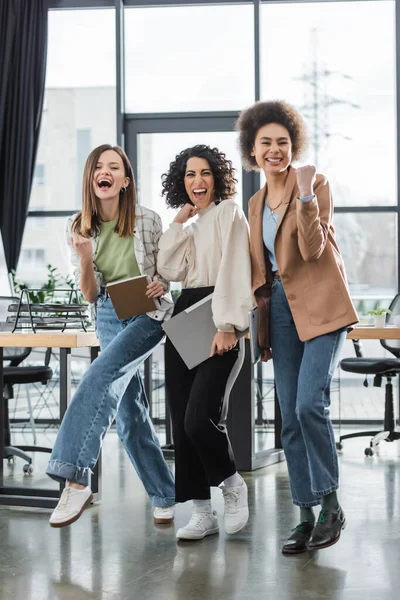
<point>201,523</point>
<point>70,506</point>
<point>164,516</point>
<point>236,508</point>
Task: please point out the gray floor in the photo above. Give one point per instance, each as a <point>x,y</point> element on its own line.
<point>114,552</point>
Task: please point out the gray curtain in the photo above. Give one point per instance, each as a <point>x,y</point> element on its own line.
<point>23,53</point>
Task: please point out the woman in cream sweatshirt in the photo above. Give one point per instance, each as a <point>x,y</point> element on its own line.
<point>209,256</point>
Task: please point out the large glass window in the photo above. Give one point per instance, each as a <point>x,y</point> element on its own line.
<point>368,243</point>
<point>78,114</point>
<point>44,243</point>
<point>335,61</point>
<point>79,107</point>
<point>189,58</point>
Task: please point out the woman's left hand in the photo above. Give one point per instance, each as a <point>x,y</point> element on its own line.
<point>306,177</point>
<point>155,289</point>
<point>223,342</point>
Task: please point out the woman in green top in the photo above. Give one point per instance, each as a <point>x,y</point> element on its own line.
<point>113,238</point>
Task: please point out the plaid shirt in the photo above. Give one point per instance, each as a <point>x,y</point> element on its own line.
<point>147,232</point>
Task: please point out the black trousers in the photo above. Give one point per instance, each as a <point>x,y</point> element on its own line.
<point>203,454</point>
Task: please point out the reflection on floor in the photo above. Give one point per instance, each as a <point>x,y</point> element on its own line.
<point>114,552</point>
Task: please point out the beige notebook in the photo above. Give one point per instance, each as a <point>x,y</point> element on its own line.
<point>129,297</point>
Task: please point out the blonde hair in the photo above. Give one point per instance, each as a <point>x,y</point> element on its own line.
<point>87,222</point>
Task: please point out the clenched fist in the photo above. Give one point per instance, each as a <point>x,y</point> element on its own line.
<point>82,246</point>
<point>305,180</point>
<point>187,212</point>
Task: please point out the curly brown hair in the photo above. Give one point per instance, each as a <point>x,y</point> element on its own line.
<point>262,113</point>
<point>173,182</point>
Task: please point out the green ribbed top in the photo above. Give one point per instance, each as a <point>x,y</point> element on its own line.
<point>115,256</point>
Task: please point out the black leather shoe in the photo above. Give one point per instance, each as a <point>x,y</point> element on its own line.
<point>328,529</point>
<point>299,539</point>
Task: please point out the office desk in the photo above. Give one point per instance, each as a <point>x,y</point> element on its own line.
<point>374,333</point>
<point>65,341</point>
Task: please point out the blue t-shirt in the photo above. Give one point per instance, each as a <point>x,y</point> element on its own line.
<point>270,221</point>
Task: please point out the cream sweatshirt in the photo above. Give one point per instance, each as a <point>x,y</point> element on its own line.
<point>213,251</point>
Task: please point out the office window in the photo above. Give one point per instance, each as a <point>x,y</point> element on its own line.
<point>44,243</point>
<point>189,58</point>
<point>33,257</point>
<point>79,111</point>
<point>368,243</point>
<point>335,61</point>
<point>83,149</point>
<point>39,176</point>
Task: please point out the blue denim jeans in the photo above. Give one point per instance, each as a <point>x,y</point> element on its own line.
<point>303,373</point>
<point>113,388</point>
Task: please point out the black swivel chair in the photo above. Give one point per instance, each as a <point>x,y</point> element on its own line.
<point>379,367</point>
<point>14,374</point>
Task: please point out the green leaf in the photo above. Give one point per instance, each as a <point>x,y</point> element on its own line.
<point>379,311</point>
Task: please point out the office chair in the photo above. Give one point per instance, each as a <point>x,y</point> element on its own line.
<point>381,368</point>
<point>14,374</point>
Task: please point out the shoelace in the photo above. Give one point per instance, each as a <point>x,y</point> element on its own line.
<point>301,526</point>
<point>197,518</point>
<point>231,501</point>
<point>65,498</point>
<point>163,511</point>
<point>323,515</point>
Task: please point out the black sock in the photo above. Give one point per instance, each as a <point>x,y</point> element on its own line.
<point>330,502</point>
<point>307,514</point>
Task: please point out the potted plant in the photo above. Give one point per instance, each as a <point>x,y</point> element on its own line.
<point>380,316</point>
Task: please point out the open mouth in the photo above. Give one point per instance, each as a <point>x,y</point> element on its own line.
<point>104,183</point>
<point>199,193</point>
<point>274,161</point>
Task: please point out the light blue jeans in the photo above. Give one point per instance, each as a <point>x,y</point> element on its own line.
<point>303,373</point>
<point>113,388</point>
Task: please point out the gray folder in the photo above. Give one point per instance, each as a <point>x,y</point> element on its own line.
<point>192,332</point>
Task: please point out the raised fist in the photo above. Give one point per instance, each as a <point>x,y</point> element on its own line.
<point>187,212</point>
<point>82,246</point>
<point>305,180</point>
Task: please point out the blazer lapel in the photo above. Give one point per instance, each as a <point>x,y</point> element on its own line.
<point>256,225</point>
<point>290,184</point>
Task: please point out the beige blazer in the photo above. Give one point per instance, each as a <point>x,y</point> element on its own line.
<point>309,262</point>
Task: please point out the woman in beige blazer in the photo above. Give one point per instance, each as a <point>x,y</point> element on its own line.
<point>300,285</point>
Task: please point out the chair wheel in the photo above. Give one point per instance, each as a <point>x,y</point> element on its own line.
<point>28,469</point>
<point>10,461</point>
<point>368,452</point>
<point>339,446</point>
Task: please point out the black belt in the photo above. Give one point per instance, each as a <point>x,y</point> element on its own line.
<point>204,291</point>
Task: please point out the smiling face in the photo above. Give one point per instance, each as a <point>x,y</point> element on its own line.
<point>272,149</point>
<point>109,176</point>
<point>199,182</point>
